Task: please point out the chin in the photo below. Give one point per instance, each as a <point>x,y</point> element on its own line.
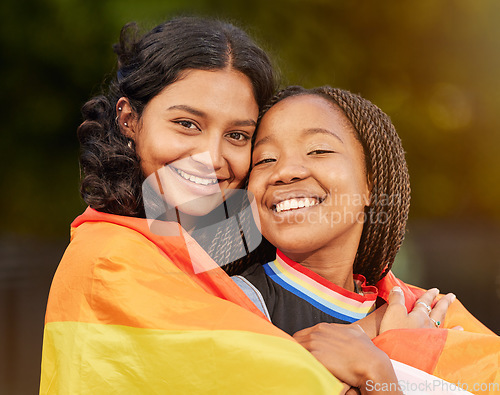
<point>296,245</point>
<point>195,209</point>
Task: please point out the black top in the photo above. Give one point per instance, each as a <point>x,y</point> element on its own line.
<point>287,311</point>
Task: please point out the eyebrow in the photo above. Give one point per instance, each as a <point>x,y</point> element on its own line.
<point>188,109</point>
<point>245,122</point>
<point>306,132</point>
<point>198,113</point>
<point>265,140</point>
<point>322,131</point>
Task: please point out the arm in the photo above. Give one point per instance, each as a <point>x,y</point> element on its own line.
<point>348,353</point>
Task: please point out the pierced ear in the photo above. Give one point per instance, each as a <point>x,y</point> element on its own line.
<point>126,118</point>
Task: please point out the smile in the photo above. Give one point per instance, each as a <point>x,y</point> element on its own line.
<point>295,204</point>
<point>195,179</point>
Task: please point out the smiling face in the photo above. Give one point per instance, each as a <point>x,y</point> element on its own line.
<point>309,179</point>
<point>194,137</point>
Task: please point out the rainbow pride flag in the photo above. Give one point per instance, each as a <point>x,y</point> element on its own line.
<point>128,315</point>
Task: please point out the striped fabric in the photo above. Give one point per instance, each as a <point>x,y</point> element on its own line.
<point>324,295</point>
<point>127,315</point>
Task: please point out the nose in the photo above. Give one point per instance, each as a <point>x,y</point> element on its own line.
<point>211,155</point>
<point>289,170</point>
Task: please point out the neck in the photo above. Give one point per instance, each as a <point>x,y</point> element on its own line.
<point>188,222</point>
<point>333,261</point>
<point>336,269</point>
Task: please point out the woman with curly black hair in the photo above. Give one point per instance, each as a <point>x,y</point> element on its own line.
<point>136,306</point>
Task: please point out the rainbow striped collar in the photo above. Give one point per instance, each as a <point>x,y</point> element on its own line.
<point>321,293</point>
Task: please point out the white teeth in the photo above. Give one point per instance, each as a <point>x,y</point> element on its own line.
<point>196,180</point>
<point>292,204</point>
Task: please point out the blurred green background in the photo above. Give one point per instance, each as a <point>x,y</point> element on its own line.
<point>433,66</point>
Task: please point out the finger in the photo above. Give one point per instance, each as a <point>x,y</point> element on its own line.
<point>301,333</point>
<point>358,328</point>
<point>396,303</point>
<point>396,296</point>
<point>440,309</point>
<point>396,314</point>
<point>306,331</point>
<point>302,338</point>
<point>426,300</point>
<point>321,330</point>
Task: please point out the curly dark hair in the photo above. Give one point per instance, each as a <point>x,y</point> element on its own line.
<point>385,228</point>
<point>111,171</point>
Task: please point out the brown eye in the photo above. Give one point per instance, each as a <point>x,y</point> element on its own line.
<point>187,124</point>
<point>238,136</point>
<point>239,139</point>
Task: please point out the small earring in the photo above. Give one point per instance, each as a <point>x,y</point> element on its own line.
<point>129,144</point>
<point>119,108</point>
<point>125,124</point>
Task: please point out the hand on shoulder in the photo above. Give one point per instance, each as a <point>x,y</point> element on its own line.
<point>422,315</point>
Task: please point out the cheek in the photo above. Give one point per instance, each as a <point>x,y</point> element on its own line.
<point>156,153</point>
<point>349,176</point>
<point>360,183</point>
<point>152,158</point>
<point>254,186</point>
<point>240,164</point>
<point>257,194</point>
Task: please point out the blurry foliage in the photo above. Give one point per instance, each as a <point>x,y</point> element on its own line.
<point>432,66</point>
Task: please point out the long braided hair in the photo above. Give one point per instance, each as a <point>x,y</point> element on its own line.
<point>385,227</point>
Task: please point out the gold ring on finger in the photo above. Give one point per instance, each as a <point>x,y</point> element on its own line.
<point>428,308</point>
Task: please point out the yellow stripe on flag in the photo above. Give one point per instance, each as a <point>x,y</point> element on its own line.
<point>85,358</point>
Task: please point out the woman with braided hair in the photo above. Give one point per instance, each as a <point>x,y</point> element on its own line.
<point>332,190</point>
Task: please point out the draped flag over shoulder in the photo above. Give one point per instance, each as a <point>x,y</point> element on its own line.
<point>127,314</point>
<point>469,359</point>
